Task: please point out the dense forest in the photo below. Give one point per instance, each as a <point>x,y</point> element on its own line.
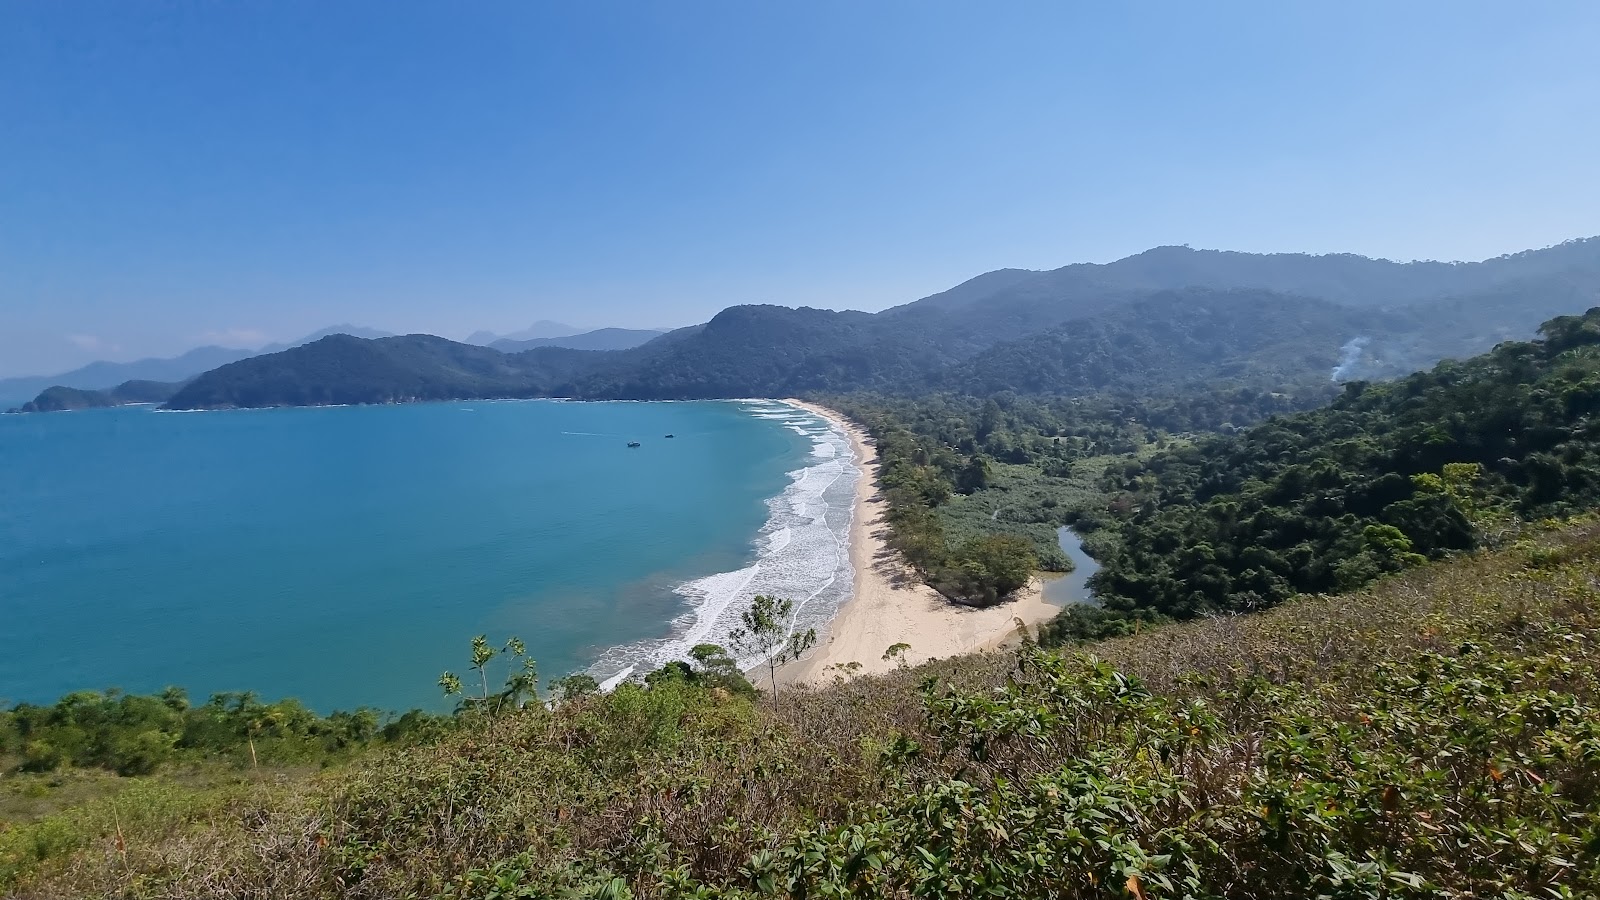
<point>56,399</point>
<point>1384,476</point>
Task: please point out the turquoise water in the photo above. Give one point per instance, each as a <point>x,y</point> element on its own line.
<point>345,556</point>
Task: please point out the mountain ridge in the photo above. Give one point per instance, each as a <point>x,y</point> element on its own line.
<point>1110,310</point>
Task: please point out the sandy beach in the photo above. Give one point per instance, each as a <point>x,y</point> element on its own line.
<point>890,606</point>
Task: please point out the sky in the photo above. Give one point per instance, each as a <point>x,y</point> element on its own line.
<point>182,173</point>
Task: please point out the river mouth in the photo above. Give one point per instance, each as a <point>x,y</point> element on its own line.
<point>1072,587</point>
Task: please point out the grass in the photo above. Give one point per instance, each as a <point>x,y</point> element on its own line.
<point>1434,735</point>
<point>1023,501</point>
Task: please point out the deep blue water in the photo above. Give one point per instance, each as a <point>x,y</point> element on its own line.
<point>346,556</point>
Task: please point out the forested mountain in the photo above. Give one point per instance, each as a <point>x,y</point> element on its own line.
<point>58,398</point>
<point>1175,337</point>
<point>100,376</point>
<point>103,375</point>
<point>343,370</point>
<point>1148,323</point>
<point>1385,476</point>
<point>1340,277</point>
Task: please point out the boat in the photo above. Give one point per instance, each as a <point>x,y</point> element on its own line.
<point>669,435</point>
<point>633,443</point>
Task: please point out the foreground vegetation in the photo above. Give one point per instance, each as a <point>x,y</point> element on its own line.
<point>1435,735</point>
<point>131,734</point>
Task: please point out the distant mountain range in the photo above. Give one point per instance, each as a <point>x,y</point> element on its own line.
<point>1260,322</point>
<point>599,339</point>
<point>101,376</point>
<point>542,329</point>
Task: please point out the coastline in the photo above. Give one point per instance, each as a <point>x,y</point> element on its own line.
<point>889,605</point>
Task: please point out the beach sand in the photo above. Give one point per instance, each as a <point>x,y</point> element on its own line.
<point>890,606</point>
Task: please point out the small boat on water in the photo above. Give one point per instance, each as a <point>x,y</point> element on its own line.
<point>669,435</point>
<point>633,443</point>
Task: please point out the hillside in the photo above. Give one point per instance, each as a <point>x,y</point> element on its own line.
<point>1385,476</point>
<point>103,376</point>
<point>345,370</point>
<point>1173,337</point>
<point>1339,277</point>
<point>59,399</point>
<point>1157,320</point>
<point>1432,736</point>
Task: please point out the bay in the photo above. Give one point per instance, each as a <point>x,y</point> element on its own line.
<point>345,556</point>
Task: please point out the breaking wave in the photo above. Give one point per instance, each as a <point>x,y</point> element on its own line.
<point>803,554</point>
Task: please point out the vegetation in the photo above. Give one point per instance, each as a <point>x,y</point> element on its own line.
<point>57,398</point>
<point>1434,735</point>
<point>132,734</point>
<point>1430,731</point>
<point>1150,324</point>
<point>1384,477</point>
<point>766,632</point>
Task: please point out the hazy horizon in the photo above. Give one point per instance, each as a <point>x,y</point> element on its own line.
<point>246,175</point>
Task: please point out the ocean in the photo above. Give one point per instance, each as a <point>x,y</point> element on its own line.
<point>346,556</point>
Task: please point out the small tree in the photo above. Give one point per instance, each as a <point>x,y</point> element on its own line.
<point>578,684</point>
<point>765,633</point>
<point>523,682</point>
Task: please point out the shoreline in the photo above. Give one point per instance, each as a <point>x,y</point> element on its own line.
<point>889,605</point>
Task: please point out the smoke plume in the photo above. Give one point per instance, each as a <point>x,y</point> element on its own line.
<point>1349,356</point>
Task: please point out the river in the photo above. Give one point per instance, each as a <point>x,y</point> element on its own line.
<point>1073,587</point>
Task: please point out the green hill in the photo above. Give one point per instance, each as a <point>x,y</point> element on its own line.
<point>1384,476</point>
<point>340,369</point>
<point>58,398</point>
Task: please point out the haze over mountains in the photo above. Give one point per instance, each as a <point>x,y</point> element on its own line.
<point>106,377</point>
<point>599,339</point>
<point>1171,315</point>
<point>103,376</point>
<point>542,329</point>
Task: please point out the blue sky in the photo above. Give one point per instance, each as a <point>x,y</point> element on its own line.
<point>181,173</point>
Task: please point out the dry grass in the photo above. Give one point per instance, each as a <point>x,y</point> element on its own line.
<point>681,780</point>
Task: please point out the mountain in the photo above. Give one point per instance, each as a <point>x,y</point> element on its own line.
<point>599,339</point>
<point>104,375</point>
<point>58,399</point>
<point>1135,325</point>
<point>99,376</point>
<point>1172,337</point>
<point>352,330</point>
<point>340,369</point>
<point>1342,277</point>
<point>540,330</point>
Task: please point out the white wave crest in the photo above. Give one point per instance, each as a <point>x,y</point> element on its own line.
<point>803,555</point>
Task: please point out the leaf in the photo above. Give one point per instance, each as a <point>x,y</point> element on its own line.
<point>1135,887</point>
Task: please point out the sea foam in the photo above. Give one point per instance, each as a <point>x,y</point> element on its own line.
<point>802,554</point>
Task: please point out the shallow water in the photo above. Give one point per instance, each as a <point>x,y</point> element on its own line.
<point>346,556</point>
<point>1073,587</point>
